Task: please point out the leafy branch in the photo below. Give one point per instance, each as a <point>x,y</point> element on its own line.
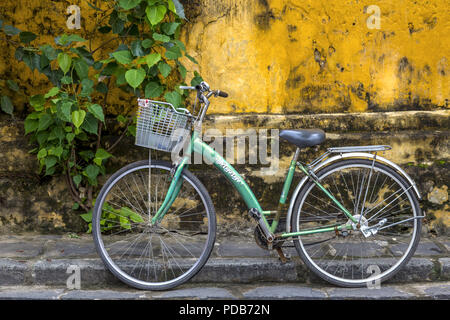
<point>67,122</point>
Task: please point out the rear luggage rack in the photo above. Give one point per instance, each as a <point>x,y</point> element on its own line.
<point>359,149</point>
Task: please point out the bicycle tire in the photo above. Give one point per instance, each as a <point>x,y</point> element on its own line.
<point>336,167</point>
<point>97,234</point>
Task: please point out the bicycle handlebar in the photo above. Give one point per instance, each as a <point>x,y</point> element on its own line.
<point>204,87</point>
<point>186,88</point>
<point>201,88</point>
<point>222,94</point>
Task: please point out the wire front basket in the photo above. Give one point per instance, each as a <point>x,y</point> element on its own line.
<point>160,126</point>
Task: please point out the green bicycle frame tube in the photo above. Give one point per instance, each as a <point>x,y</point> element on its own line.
<point>284,194</point>
<point>172,192</point>
<point>346,212</point>
<point>229,172</point>
<point>320,230</point>
<point>287,182</point>
<point>175,184</point>
<point>198,146</point>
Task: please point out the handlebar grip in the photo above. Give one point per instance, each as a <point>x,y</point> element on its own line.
<point>187,88</point>
<point>222,94</point>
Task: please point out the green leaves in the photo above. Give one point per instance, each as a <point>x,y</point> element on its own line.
<point>81,68</point>
<point>63,111</point>
<point>90,124</point>
<point>92,172</point>
<point>50,162</point>
<point>174,98</point>
<point>164,68</point>
<point>26,37</point>
<point>64,62</point>
<point>65,120</point>
<point>49,52</point>
<point>147,43</point>
<point>6,105</point>
<point>87,87</point>
<point>153,90</point>
<point>128,213</point>
<point>173,53</point>
<point>196,79</point>
<point>161,37</point>
<point>169,28</point>
<point>155,13</point>
<point>77,179</point>
<point>152,59</point>
<point>136,48</point>
<point>10,30</point>
<point>87,216</point>
<point>129,4</point>
<point>97,111</point>
<point>182,70</point>
<point>31,123</point>
<point>42,153</point>
<point>101,155</point>
<point>66,40</point>
<point>51,93</point>
<point>44,122</point>
<point>84,54</point>
<point>134,77</point>
<point>12,85</point>
<point>56,151</point>
<point>78,117</point>
<point>123,56</point>
<point>66,80</point>
<point>37,101</point>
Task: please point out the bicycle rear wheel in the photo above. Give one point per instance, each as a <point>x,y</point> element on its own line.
<point>380,199</point>
<point>153,257</point>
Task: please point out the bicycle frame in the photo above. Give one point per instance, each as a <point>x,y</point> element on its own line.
<point>198,146</point>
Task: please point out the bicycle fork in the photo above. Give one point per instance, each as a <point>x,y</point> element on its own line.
<point>172,193</point>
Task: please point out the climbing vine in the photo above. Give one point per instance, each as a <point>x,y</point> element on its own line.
<point>66,122</point>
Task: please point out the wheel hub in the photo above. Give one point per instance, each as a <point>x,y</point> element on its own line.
<point>156,229</point>
<point>363,225</point>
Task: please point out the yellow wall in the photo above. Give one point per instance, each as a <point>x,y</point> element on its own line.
<point>292,56</point>
<point>264,53</point>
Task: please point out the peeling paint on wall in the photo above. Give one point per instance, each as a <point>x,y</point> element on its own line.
<point>313,56</point>
<point>294,56</point>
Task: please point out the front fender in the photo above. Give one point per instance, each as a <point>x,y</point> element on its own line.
<point>357,155</point>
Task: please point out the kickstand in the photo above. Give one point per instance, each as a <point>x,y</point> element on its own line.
<point>283,257</point>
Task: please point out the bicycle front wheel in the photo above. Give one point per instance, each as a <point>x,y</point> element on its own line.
<point>146,256</point>
<point>386,209</point>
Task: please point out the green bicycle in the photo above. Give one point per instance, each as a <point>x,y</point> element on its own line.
<point>154,224</point>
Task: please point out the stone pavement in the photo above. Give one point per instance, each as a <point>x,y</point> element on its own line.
<point>214,291</point>
<point>238,268</point>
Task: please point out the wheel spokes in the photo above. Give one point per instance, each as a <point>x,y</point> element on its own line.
<point>153,253</point>
<point>372,194</point>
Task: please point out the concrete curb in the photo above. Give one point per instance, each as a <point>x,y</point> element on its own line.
<point>223,270</point>
<point>45,260</point>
